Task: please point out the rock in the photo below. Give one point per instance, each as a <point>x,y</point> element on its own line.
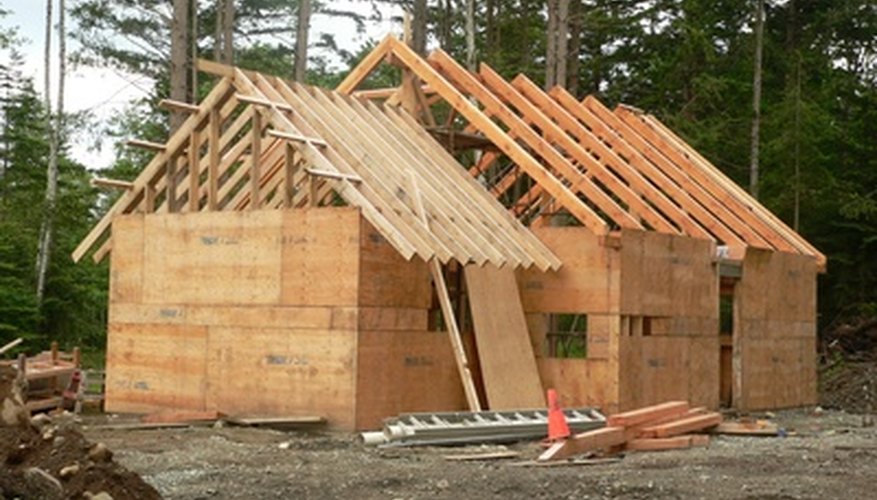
<point>219,424</point>
<point>42,485</point>
<point>867,421</point>
<point>49,434</point>
<point>40,420</point>
<point>284,445</point>
<point>443,484</point>
<point>100,453</point>
<point>818,411</point>
<point>103,495</point>
<point>69,471</point>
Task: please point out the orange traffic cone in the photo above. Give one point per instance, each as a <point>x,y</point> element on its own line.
<point>557,426</point>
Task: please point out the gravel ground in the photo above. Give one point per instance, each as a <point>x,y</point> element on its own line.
<point>826,455</point>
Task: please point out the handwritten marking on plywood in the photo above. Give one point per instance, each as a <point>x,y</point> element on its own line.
<point>508,365</point>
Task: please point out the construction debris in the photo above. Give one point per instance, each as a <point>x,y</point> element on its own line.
<point>420,429</point>
<point>52,376</point>
<point>661,427</point>
<point>747,428</point>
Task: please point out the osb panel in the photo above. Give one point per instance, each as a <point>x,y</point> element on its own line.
<point>508,365</point>
<point>580,382</point>
<point>212,258</point>
<point>126,259</point>
<point>387,279</point>
<point>279,372</point>
<point>588,282</point>
<point>777,287</point>
<point>667,275</point>
<point>392,318</point>
<point>321,256</point>
<point>778,373</point>
<point>704,358</point>
<point>405,371</point>
<point>323,318</point>
<point>654,369</point>
<point>155,366</point>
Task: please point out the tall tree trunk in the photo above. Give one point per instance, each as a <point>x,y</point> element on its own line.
<point>193,38</point>
<point>575,43</point>
<point>551,45</point>
<point>180,59</point>
<point>228,32</point>
<point>470,36</point>
<point>562,43</point>
<point>217,30</point>
<point>55,138</point>
<point>418,27</point>
<point>47,58</point>
<point>301,40</point>
<point>756,98</point>
<point>490,32</point>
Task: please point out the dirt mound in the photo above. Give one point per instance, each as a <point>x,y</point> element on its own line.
<point>849,386</point>
<point>49,458</point>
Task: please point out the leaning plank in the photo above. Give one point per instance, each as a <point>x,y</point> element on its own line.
<point>587,441</point>
<point>682,426</point>
<point>649,413</point>
<point>508,365</point>
<point>165,417</point>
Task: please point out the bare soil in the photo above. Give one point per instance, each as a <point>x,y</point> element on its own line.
<point>827,454</point>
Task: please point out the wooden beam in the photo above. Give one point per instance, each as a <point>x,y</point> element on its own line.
<point>289,175</point>
<point>214,157</point>
<point>171,183</point>
<point>358,74</point>
<point>256,154</point>
<point>505,143</point>
<point>132,197</point>
<point>441,288</point>
<point>333,175</point>
<point>638,174</point>
<point>102,182</point>
<point>297,138</point>
<point>139,143</point>
<point>263,102</point>
<point>555,136</point>
<point>173,105</point>
<point>595,440</point>
<point>194,171</point>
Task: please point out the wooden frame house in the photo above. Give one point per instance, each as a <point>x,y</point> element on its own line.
<point>276,256</point>
<point>676,283</point>
<point>338,259</point>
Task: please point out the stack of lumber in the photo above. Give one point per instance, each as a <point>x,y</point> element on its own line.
<point>671,425</point>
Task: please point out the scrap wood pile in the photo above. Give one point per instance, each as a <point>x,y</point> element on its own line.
<point>52,376</point>
<point>671,425</point>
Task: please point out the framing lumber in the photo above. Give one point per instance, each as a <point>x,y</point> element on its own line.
<point>640,416</point>
<point>555,135</point>
<point>334,175</point>
<point>447,309</point>
<point>366,66</point>
<point>154,168</point>
<point>595,440</point>
<point>683,426</point>
<point>263,102</point>
<point>476,117</point>
<point>173,105</point>
<point>140,143</point>
<point>103,182</point>
<point>297,138</point>
<point>255,168</point>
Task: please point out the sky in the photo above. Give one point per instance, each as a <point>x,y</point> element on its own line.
<point>106,91</point>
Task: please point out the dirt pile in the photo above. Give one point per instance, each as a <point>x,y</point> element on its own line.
<point>48,458</point>
<point>849,386</point>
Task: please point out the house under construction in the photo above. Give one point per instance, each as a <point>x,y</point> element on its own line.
<point>298,251</point>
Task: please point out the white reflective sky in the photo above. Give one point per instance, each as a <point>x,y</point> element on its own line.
<point>106,91</point>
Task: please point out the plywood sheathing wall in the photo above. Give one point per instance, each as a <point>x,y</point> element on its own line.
<point>669,344</point>
<point>245,313</point>
<point>775,334</point>
<point>401,366</point>
<point>588,283</point>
